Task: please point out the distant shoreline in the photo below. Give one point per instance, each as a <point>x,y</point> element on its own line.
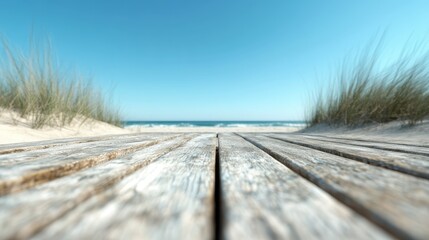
<point>143,129</point>
<point>219,124</point>
<point>214,126</point>
<point>16,130</point>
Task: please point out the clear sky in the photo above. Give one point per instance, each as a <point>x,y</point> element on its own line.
<point>211,60</point>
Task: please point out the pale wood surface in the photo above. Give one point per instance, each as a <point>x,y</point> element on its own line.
<point>377,145</point>
<point>406,141</point>
<point>26,169</point>
<point>28,146</point>
<point>186,186</point>
<point>172,198</point>
<point>413,164</point>
<point>397,202</point>
<point>264,199</point>
<point>27,212</point>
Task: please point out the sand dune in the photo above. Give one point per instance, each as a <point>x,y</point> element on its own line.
<point>15,129</point>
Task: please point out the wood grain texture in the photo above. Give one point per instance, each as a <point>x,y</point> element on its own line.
<point>171,198</point>
<point>416,165</point>
<point>162,186</point>
<point>19,171</point>
<point>377,145</point>
<point>26,213</point>
<point>397,202</point>
<point>385,139</point>
<point>30,146</point>
<point>46,151</point>
<point>263,199</point>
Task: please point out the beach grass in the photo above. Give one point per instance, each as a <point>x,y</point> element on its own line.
<point>34,86</point>
<point>364,91</point>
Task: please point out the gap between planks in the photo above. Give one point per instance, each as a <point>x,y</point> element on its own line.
<point>218,210</point>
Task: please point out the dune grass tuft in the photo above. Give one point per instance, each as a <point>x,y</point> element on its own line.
<point>35,87</point>
<point>366,92</point>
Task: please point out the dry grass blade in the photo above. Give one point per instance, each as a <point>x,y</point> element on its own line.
<point>36,88</point>
<point>364,92</point>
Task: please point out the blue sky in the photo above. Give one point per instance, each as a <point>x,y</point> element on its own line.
<point>211,60</point>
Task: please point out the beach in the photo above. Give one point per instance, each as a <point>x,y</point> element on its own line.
<point>15,129</point>
<point>212,129</point>
<point>214,126</point>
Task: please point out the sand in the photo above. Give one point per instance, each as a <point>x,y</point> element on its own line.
<point>14,129</point>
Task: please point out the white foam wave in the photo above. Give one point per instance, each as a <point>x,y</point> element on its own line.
<point>221,125</point>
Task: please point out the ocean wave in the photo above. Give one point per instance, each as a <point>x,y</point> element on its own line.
<point>221,125</point>
<point>266,125</point>
<point>162,125</point>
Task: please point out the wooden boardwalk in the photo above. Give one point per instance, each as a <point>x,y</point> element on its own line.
<point>214,186</point>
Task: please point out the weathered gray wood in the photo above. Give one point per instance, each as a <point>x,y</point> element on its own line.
<point>416,165</point>
<point>31,146</point>
<point>397,202</point>
<point>25,213</point>
<point>171,198</point>
<point>22,170</point>
<point>49,151</point>
<point>385,139</point>
<point>166,193</point>
<point>263,199</point>
<point>377,145</point>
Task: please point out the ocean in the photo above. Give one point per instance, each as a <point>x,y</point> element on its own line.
<point>225,124</point>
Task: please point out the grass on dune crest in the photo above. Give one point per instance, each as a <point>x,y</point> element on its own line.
<point>35,87</point>
<point>365,92</point>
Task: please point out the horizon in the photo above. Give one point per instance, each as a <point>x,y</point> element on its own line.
<point>169,61</point>
<point>213,121</point>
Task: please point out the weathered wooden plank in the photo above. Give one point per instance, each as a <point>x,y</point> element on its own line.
<point>385,139</point>
<point>23,170</point>
<point>171,198</point>
<point>263,199</point>
<point>14,148</point>
<point>47,151</point>
<point>377,145</point>
<point>25,213</point>
<point>31,146</point>
<point>397,202</point>
<point>416,165</point>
